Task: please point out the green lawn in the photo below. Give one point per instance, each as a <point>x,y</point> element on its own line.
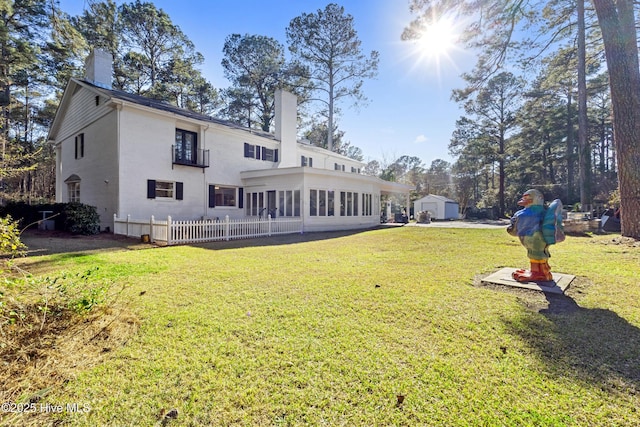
<point>330,331</point>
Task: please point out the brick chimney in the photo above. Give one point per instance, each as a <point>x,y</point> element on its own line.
<point>286,115</point>
<point>98,68</point>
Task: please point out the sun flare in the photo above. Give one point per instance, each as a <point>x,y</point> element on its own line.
<point>438,39</point>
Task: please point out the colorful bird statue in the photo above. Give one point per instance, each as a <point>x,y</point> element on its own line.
<point>537,228</point>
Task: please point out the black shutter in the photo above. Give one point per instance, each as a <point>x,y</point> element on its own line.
<point>275,155</point>
<point>82,145</point>
<point>212,196</point>
<point>247,151</point>
<point>76,141</point>
<point>258,152</point>
<point>264,153</point>
<point>241,198</point>
<point>151,189</point>
<point>179,189</point>
<point>310,162</point>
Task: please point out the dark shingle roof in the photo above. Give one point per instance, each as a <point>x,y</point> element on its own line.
<point>167,107</point>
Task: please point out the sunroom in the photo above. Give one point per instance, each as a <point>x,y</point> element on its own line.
<point>324,199</point>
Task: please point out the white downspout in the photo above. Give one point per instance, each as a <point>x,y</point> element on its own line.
<point>205,204</point>
<point>119,172</point>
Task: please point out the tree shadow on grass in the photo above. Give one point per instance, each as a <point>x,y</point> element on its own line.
<point>283,239</point>
<point>596,346</point>
<point>43,243</point>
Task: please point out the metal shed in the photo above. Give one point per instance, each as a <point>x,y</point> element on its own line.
<point>440,207</point>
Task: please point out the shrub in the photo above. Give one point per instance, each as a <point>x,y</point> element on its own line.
<point>81,219</point>
<point>28,216</point>
<point>74,217</point>
<point>32,301</point>
<point>10,243</point>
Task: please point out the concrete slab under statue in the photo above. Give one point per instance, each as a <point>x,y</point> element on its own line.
<point>557,285</point>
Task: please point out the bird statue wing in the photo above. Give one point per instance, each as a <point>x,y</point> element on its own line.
<point>552,229</point>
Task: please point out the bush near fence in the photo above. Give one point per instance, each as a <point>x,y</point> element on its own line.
<point>74,217</point>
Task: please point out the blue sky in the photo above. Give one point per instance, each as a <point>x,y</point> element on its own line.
<point>409,110</point>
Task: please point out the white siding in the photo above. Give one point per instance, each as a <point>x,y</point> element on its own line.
<point>81,111</point>
<point>96,167</point>
<point>126,145</point>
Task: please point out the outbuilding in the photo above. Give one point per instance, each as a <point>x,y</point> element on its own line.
<point>440,207</point>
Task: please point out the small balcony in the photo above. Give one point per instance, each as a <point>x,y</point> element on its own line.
<point>195,158</point>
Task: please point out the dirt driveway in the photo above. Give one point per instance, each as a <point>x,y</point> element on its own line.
<point>52,242</point>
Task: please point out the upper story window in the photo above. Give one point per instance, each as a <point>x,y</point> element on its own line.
<point>186,147</point>
<point>269,154</point>
<point>306,161</point>
<point>260,153</point>
<point>79,147</point>
<point>250,151</point>
<point>186,152</point>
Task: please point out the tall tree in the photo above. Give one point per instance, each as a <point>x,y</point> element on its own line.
<point>605,168</point>
<point>491,30</point>
<point>256,66</point>
<point>151,38</point>
<point>152,56</point>
<point>407,170</point>
<point>617,22</point>
<point>474,166</point>
<point>372,168</point>
<point>316,134</point>
<point>327,42</point>
<point>101,27</point>
<point>495,106</point>
<point>584,148</point>
<point>439,179</point>
<point>20,44</point>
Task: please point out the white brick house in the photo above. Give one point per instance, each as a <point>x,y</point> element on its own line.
<point>131,155</point>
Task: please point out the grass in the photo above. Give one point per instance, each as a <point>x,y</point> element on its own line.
<point>383,327</point>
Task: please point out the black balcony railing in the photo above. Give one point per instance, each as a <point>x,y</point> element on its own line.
<point>195,158</point>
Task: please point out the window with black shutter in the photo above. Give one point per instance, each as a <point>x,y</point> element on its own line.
<point>249,151</point>
<point>151,189</point>
<point>260,153</point>
<point>224,196</point>
<point>212,196</point>
<point>164,189</point>
<point>179,190</point>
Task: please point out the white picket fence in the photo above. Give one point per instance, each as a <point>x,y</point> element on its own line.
<point>172,232</point>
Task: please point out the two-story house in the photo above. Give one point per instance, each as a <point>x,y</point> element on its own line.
<point>131,155</point>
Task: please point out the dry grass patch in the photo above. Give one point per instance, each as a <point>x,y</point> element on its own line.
<point>50,331</point>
